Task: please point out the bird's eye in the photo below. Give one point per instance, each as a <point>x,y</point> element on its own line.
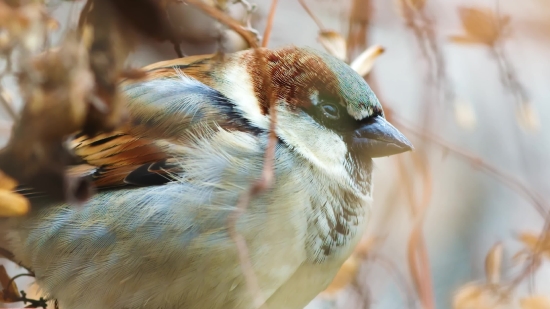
<point>330,111</point>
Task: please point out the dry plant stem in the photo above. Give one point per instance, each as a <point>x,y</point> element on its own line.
<point>530,269</point>
<point>265,182</point>
<point>535,260</point>
<point>19,276</point>
<point>417,253</point>
<point>533,197</point>
<point>11,257</point>
<point>399,279</point>
<point>242,248</point>
<point>364,293</point>
<point>34,303</point>
<point>269,24</point>
<point>7,254</point>
<point>249,10</point>
<point>423,29</point>
<point>508,74</point>
<point>418,258</point>
<point>310,13</point>
<point>358,34</point>
<point>225,19</point>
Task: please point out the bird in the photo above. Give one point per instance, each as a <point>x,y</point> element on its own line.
<point>156,233</point>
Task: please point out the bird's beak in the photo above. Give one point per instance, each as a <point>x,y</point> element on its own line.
<point>378,138</point>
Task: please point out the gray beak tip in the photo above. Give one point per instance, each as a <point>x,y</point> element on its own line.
<point>378,138</point>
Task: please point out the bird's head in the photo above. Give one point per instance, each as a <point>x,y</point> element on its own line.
<point>325,110</point>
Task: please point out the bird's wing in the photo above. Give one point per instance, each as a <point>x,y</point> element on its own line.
<point>170,102</point>
<point>123,159</point>
<point>147,229</point>
<point>198,67</point>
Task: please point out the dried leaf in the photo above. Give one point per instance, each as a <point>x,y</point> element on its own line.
<point>365,246</point>
<point>365,61</point>
<point>520,257</point>
<point>402,8</point>
<point>7,15</point>
<point>416,5</point>
<point>6,96</point>
<point>528,118</point>
<point>334,43</point>
<point>87,36</point>
<point>535,302</point>
<point>465,40</point>
<point>360,18</point>
<point>344,277</point>
<point>465,116</point>
<point>52,24</point>
<point>33,37</point>
<point>5,39</point>
<point>470,297</point>
<point>13,204</point>
<point>6,182</point>
<point>24,25</point>
<point>493,264</point>
<point>10,292</point>
<point>482,24</point>
<point>251,38</point>
<point>34,291</point>
<point>531,241</point>
<point>479,296</point>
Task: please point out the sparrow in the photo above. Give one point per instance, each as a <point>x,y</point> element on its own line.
<point>156,234</point>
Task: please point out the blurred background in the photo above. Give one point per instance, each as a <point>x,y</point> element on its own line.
<point>467,82</point>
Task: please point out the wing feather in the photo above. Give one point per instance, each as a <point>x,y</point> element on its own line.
<point>174,99</point>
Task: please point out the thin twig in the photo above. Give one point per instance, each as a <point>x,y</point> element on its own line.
<point>361,14</point>
<point>507,179</point>
<point>508,75</point>
<point>399,278</point>
<point>360,18</point>
<point>227,20</point>
<point>7,254</point>
<point>535,260</point>
<point>423,29</point>
<point>417,252</point>
<point>264,183</point>
<point>507,72</point>
<point>242,248</point>
<point>269,24</point>
<point>12,279</point>
<point>310,13</point>
<point>250,8</point>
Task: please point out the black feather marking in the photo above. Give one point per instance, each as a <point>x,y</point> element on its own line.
<point>105,140</point>
<point>79,135</point>
<point>150,174</point>
<point>234,115</point>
